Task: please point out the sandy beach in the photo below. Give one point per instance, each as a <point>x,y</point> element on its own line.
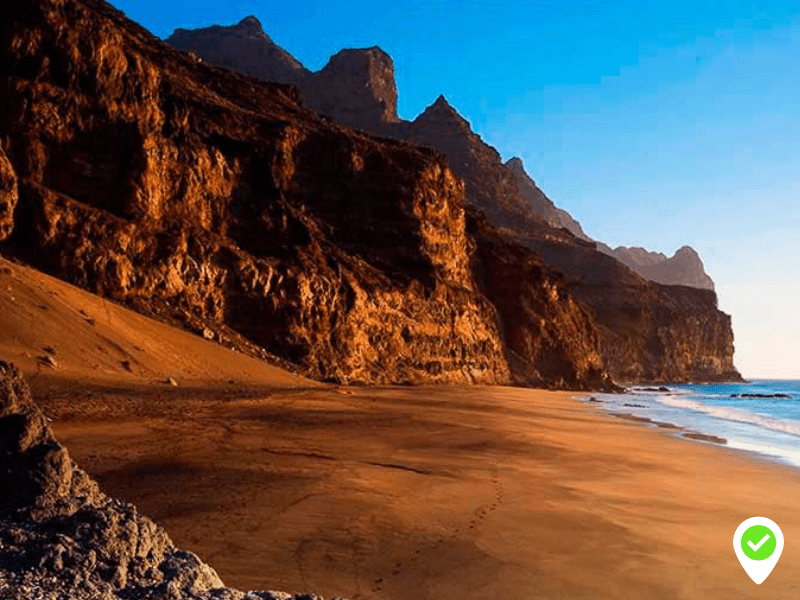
<point>423,493</point>
<point>391,493</point>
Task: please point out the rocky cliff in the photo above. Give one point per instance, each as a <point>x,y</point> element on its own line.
<point>357,88</point>
<point>643,331</point>
<point>648,331</point>
<point>243,47</point>
<point>551,339</point>
<point>61,537</point>
<point>217,201</point>
<point>194,193</point>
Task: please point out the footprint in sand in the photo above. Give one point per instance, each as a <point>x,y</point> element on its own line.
<point>479,515</point>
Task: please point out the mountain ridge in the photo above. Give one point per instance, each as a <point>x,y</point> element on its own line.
<point>215,200</point>
<point>363,95</point>
<point>519,211</point>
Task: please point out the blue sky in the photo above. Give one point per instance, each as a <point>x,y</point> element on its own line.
<point>655,124</point>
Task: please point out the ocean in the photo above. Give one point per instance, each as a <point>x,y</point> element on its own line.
<point>766,426</point>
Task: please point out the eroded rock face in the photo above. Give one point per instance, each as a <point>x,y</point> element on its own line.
<point>647,331</point>
<point>61,537</point>
<point>357,88</point>
<point>551,339</point>
<point>9,195</point>
<point>192,192</point>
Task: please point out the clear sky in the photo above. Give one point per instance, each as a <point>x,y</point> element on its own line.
<point>654,123</point>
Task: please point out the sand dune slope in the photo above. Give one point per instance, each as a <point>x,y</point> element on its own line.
<point>92,340</point>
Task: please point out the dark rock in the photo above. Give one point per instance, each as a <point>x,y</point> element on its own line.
<point>356,87</point>
<point>243,47</point>
<point>9,195</point>
<point>703,437</point>
<point>48,361</point>
<point>60,536</point>
<point>761,395</point>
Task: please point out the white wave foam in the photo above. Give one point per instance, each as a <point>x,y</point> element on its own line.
<point>731,414</point>
<point>790,456</point>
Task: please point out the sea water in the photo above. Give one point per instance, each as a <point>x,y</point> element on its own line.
<point>767,426</point>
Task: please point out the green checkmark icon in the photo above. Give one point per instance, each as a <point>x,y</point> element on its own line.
<point>758,542</point>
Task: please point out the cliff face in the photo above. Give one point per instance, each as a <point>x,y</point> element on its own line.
<point>648,331</point>
<point>9,195</point>
<point>551,339</point>
<point>207,197</point>
<point>356,88</point>
<point>61,537</point>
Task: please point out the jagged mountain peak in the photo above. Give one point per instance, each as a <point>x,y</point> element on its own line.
<point>251,25</point>
<point>515,163</point>
<point>687,251</point>
<point>242,47</point>
<point>442,111</point>
<point>349,54</point>
<point>685,267</point>
<point>357,87</point>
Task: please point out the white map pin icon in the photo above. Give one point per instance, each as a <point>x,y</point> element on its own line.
<point>758,543</point>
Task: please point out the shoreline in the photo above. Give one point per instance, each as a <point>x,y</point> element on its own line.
<point>426,492</point>
<point>679,431</point>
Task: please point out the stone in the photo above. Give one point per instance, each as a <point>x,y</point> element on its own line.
<point>48,361</point>
<point>9,195</point>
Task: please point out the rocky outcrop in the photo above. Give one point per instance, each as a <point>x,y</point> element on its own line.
<point>684,268</point>
<point>243,47</point>
<point>647,331</point>
<point>9,195</point>
<point>356,88</point>
<point>489,185</point>
<point>61,537</point>
<point>551,340</point>
<point>197,194</point>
